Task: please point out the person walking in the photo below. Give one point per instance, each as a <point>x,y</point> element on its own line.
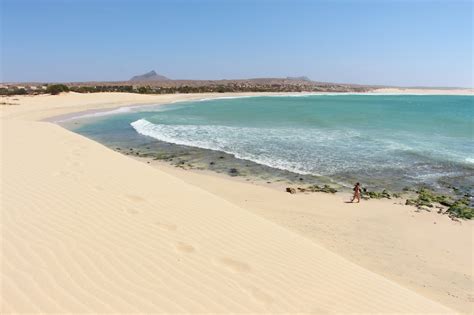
<point>356,193</point>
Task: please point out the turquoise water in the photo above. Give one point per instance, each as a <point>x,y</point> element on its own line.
<point>384,140</point>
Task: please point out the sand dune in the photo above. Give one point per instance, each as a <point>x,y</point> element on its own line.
<point>86,229</point>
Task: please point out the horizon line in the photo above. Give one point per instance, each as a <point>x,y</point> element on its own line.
<point>254,78</point>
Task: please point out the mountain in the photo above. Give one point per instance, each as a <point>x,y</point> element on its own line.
<point>149,76</point>
<point>302,78</point>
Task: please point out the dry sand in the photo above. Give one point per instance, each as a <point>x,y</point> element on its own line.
<point>86,229</point>
<point>426,91</point>
<point>424,251</point>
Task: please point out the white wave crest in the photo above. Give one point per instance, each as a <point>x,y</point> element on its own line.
<point>277,148</point>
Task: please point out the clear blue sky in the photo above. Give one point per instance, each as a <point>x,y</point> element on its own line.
<point>408,43</point>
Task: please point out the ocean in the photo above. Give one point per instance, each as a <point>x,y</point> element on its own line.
<point>382,141</point>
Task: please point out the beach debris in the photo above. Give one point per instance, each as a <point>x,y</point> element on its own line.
<point>234,172</point>
<point>164,156</point>
<point>290,190</point>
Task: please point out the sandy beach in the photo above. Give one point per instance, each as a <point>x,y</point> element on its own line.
<point>87,229</point>
<point>425,91</point>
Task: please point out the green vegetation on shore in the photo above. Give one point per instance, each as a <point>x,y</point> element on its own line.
<point>56,89</point>
<point>174,88</point>
<point>459,208</point>
<point>455,208</point>
<point>13,91</point>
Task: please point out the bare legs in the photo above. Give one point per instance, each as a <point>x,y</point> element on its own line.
<point>356,196</point>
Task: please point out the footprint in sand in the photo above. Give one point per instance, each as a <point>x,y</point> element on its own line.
<point>73,175</point>
<point>76,153</point>
<point>134,198</point>
<point>60,173</point>
<point>132,211</point>
<point>234,265</point>
<point>99,188</point>
<point>185,248</point>
<point>167,226</point>
<point>260,296</point>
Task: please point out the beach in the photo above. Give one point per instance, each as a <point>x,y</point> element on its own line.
<point>425,91</point>
<point>87,229</point>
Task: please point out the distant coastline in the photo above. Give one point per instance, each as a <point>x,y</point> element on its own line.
<point>152,83</point>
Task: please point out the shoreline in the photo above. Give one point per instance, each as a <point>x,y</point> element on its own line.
<point>217,96</point>
<point>18,117</point>
<point>340,229</point>
<point>196,156</point>
<point>377,92</point>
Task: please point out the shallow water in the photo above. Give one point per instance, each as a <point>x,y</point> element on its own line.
<point>383,141</point>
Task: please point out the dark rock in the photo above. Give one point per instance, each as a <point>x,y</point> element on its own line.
<point>212,163</point>
<point>290,190</point>
<point>234,172</point>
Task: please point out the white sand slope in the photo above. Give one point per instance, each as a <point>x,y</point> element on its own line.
<point>85,229</point>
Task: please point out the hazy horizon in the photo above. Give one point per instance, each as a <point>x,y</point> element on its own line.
<point>394,43</point>
<point>229,79</point>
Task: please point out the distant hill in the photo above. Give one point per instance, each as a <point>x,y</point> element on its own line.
<point>302,78</point>
<point>149,76</point>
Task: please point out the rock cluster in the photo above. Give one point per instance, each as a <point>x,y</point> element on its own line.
<point>426,200</point>
<point>313,188</point>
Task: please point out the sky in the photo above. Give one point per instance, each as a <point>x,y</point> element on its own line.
<point>402,43</point>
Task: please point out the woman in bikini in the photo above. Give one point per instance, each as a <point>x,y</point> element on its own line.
<point>356,193</point>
